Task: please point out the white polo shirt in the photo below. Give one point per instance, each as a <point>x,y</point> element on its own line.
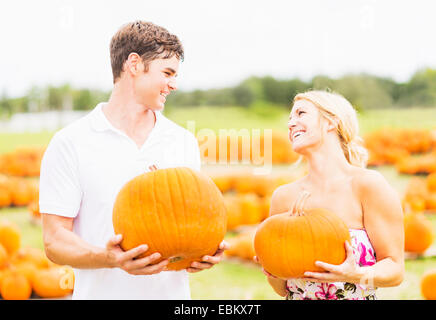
<point>84,167</point>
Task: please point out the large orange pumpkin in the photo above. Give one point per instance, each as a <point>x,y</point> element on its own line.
<point>428,284</point>
<point>418,232</point>
<point>177,212</point>
<point>288,244</point>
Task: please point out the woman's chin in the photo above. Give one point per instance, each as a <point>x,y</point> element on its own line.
<point>298,148</point>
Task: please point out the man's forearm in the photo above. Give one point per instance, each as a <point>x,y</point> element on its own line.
<point>66,248</point>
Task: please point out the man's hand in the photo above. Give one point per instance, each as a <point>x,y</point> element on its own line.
<point>129,261</point>
<point>208,262</point>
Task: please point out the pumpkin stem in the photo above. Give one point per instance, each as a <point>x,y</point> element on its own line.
<point>298,208</point>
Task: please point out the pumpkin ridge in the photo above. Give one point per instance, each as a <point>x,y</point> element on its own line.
<point>285,230</point>
<point>150,240</point>
<point>333,227</point>
<point>156,212</point>
<point>132,203</point>
<point>199,191</point>
<point>176,215</point>
<point>176,244</point>
<point>312,239</point>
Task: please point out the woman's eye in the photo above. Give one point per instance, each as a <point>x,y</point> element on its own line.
<point>300,112</point>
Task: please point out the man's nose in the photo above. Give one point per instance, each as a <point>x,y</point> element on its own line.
<point>172,84</point>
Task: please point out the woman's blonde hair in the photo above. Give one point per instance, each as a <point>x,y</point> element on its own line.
<point>339,111</point>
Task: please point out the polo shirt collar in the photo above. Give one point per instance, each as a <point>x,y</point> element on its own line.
<point>100,123</point>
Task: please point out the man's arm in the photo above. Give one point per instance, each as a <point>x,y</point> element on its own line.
<point>63,246</point>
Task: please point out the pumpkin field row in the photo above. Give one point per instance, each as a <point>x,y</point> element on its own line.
<point>25,271</point>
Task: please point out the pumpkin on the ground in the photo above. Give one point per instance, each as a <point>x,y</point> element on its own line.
<point>234,212</point>
<point>242,245</point>
<point>3,256</point>
<point>251,211</point>
<point>288,244</point>
<point>10,236</point>
<point>428,284</point>
<point>418,232</point>
<point>178,212</point>
<point>53,282</point>
<point>15,286</point>
<point>35,256</point>
<point>5,192</point>
<point>431,182</point>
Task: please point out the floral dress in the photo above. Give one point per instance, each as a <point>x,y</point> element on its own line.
<point>299,289</point>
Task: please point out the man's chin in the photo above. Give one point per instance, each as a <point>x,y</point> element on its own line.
<point>156,107</point>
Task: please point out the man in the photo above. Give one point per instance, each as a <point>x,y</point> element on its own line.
<point>87,163</point>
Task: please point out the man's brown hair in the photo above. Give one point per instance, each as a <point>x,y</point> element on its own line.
<point>148,40</point>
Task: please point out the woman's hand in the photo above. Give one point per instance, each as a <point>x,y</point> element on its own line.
<point>129,261</point>
<point>348,271</point>
<point>209,261</point>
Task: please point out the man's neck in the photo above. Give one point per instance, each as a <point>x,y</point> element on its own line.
<point>132,118</point>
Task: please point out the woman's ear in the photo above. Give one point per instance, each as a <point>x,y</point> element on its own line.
<point>332,124</point>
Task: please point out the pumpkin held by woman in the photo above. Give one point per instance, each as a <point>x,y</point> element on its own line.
<point>177,212</point>
<point>288,244</point>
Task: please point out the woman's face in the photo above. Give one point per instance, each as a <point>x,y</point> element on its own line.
<point>306,126</point>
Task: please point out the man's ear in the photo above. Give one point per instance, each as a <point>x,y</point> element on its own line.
<point>133,63</point>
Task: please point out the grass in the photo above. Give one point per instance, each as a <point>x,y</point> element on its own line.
<point>31,231</point>
<point>10,141</point>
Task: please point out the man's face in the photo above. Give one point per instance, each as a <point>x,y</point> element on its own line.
<point>152,87</point>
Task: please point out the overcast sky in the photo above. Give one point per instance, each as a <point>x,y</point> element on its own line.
<point>53,42</point>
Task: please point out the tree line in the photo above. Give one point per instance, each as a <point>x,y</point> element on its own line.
<point>364,91</point>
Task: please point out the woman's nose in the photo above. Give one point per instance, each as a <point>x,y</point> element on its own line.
<point>291,123</point>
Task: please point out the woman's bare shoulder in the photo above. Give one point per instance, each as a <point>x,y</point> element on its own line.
<point>375,191</point>
<point>365,180</point>
<point>284,196</point>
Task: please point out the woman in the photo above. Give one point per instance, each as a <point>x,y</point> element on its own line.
<point>323,128</point>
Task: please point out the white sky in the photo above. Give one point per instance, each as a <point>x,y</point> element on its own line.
<point>53,42</point>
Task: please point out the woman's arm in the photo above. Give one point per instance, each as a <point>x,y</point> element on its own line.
<point>384,223</point>
<point>63,246</point>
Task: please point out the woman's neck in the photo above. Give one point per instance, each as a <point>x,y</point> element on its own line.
<point>327,164</point>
